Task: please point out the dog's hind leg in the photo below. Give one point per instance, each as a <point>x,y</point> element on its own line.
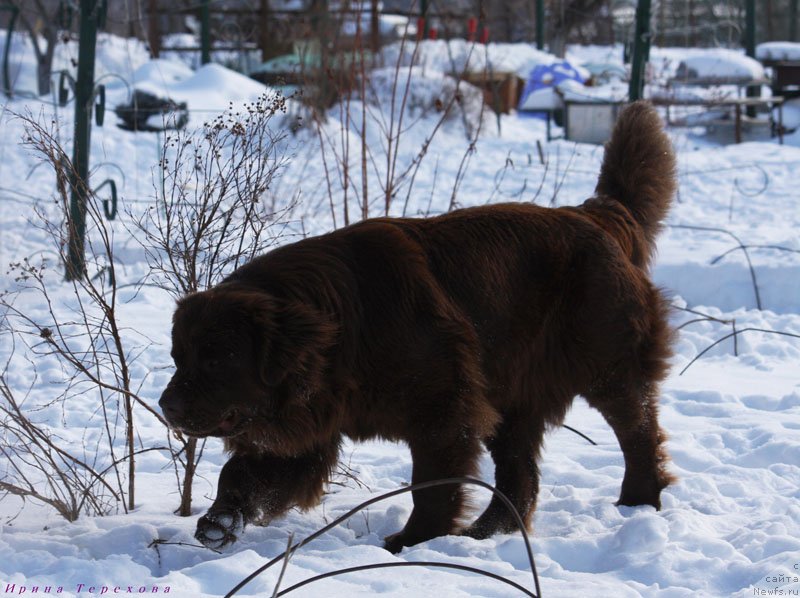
<point>633,417</point>
<point>626,394</point>
<point>628,400</point>
<point>437,455</point>
<point>515,449</point>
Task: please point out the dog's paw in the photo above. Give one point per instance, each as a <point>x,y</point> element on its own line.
<point>411,536</point>
<point>394,543</point>
<point>477,531</point>
<point>219,529</point>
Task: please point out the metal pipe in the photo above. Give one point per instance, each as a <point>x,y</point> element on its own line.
<point>205,32</point>
<point>540,24</point>
<point>641,50</point>
<point>91,11</point>
<point>750,48</point>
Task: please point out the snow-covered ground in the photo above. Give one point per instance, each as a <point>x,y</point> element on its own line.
<point>729,527</point>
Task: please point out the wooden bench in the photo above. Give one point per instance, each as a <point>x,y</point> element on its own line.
<point>732,103</point>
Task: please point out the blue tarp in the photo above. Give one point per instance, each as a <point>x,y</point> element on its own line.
<point>542,82</point>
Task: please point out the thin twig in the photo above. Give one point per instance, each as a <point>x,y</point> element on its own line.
<point>287,555</point>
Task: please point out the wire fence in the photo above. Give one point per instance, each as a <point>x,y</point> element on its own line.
<point>266,29</point>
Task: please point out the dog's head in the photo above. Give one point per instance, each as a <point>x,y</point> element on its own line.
<point>241,356</point>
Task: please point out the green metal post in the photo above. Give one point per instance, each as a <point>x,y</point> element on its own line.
<point>540,24</point>
<point>205,32</point>
<point>90,14</point>
<point>426,26</point>
<point>641,50</point>
<point>750,28</point>
<point>750,47</point>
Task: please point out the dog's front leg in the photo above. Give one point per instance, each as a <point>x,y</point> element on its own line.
<point>258,488</point>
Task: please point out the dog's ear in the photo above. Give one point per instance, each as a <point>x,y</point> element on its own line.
<point>296,350</point>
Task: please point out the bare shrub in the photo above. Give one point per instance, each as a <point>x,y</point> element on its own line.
<point>389,95</point>
<point>36,468</point>
<point>426,94</point>
<point>76,322</point>
<point>214,211</point>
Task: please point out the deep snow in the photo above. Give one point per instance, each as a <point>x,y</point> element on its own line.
<point>729,527</point>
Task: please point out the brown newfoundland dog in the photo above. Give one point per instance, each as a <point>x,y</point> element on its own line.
<point>476,327</point>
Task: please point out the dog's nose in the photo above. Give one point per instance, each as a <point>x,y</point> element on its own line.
<point>171,405</point>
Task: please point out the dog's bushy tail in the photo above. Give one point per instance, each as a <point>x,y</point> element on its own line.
<point>639,168</point>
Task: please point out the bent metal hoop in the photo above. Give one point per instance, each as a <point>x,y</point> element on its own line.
<point>289,551</point>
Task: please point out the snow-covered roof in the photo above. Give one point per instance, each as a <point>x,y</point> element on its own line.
<point>778,51</point>
<point>211,87</point>
<point>720,64</point>
<point>460,55</point>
